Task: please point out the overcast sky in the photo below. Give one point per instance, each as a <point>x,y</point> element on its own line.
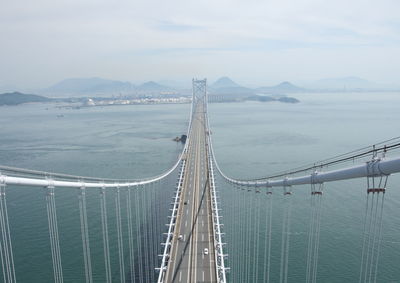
<point>253,42</point>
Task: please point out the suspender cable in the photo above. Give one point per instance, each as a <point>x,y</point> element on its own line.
<point>257,234</point>
<point>238,239</point>
<point>139,234</point>
<point>268,234</point>
<point>285,235</point>
<point>49,192</point>
<point>310,240</point>
<point>365,236</point>
<point>149,224</point>
<point>229,236</point>
<point>379,239</point>
<point>372,228</point>
<point>248,236</point>
<point>145,232</point>
<point>132,275</point>
<point>5,227</point>
<point>119,235</point>
<point>104,230</point>
<point>370,232</point>
<point>154,235</point>
<point>314,232</point>
<point>244,222</point>
<point>158,209</point>
<point>377,230</point>
<point>373,238</point>
<point>85,235</point>
<point>53,233</point>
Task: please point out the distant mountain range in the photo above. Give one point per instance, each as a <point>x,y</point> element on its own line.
<point>101,87</point>
<point>84,87</point>
<point>282,88</point>
<point>344,83</point>
<point>225,86</point>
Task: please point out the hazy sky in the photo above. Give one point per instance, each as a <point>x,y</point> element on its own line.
<point>253,42</point>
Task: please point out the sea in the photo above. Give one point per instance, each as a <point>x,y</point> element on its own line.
<point>250,139</point>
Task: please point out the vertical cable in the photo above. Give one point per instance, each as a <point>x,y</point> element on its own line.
<point>57,241</point>
<point>153,230</point>
<point>379,238</point>
<point>369,235</point>
<point>375,233</point>
<point>256,235</point>
<point>149,225</point>
<point>248,237</point>
<point>53,233</point>
<point>132,274</point>
<point>314,232</point>
<point>289,213</point>
<point>7,256</point>
<point>238,232</point>
<point>372,228</point>
<point>104,230</point>
<point>365,237</point>
<point>85,235</point>
<point>310,236</point>
<point>139,234</point>
<point>318,196</point>
<point>243,274</point>
<point>268,236</point>
<point>119,235</point>
<point>145,232</point>
<point>285,236</point>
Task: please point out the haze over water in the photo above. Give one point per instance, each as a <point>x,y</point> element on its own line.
<point>251,139</point>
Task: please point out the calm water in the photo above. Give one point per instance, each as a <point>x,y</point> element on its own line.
<point>256,139</point>
<point>250,140</point>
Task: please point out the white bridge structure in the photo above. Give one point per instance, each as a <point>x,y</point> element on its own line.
<point>170,228</point>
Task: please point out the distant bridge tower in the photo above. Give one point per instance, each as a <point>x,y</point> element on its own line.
<point>199,89</point>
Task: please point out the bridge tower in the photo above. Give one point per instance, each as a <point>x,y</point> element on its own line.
<point>199,88</point>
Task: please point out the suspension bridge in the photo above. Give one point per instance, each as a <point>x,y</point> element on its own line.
<point>170,228</point>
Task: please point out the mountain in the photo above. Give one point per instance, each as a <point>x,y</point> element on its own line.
<point>15,98</point>
<point>89,86</point>
<point>344,83</point>
<point>226,86</point>
<point>224,82</point>
<point>153,86</point>
<point>282,88</point>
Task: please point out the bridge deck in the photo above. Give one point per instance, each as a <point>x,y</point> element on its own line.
<point>188,260</point>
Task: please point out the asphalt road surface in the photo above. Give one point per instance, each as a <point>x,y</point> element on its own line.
<point>193,232</point>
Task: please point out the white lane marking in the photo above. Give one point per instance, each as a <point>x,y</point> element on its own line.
<point>202,237</point>
<point>187,211</point>
<point>180,276</point>
<point>203,275</point>
<point>186,223</point>
<point>202,223</point>
<point>202,212</point>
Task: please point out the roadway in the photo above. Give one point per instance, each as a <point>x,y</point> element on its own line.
<point>188,261</point>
